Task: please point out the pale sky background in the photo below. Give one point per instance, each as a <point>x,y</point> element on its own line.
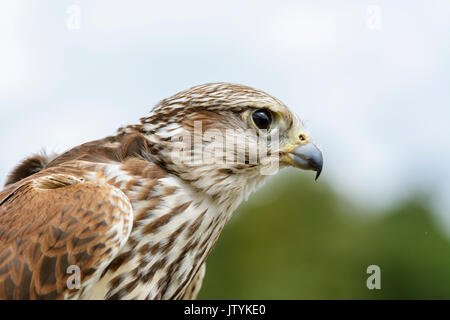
<point>371,79</point>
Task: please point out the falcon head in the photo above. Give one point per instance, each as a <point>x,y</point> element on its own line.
<point>227,138</point>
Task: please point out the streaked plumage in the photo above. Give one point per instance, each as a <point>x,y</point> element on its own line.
<point>138,222</point>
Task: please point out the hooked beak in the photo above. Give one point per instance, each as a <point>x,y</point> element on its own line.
<point>308,157</point>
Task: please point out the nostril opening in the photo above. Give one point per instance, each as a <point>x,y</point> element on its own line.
<point>302,137</point>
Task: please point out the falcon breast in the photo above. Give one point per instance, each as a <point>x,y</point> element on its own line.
<point>135,215</point>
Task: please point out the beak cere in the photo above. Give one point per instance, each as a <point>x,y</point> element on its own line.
<point>308,157</point>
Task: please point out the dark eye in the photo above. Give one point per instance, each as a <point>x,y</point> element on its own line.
<point>262,118</point>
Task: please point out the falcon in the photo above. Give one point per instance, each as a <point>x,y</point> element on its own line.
<point>136,214</point>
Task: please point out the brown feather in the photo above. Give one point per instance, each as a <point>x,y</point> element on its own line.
<point>54,218</point>
<point>28,167</point>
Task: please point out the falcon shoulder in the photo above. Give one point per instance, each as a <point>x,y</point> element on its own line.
<point>29,166</point>
<point>53,221</point>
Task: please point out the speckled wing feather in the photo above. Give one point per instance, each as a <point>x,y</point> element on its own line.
<point>194,287</point>
<point>51,222</point>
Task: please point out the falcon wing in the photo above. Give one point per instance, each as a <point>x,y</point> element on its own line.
<point>55,221</point>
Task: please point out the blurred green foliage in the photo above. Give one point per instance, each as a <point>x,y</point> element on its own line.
<point>300,240</point>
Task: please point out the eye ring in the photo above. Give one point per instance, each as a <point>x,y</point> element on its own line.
<point>262,118</point>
